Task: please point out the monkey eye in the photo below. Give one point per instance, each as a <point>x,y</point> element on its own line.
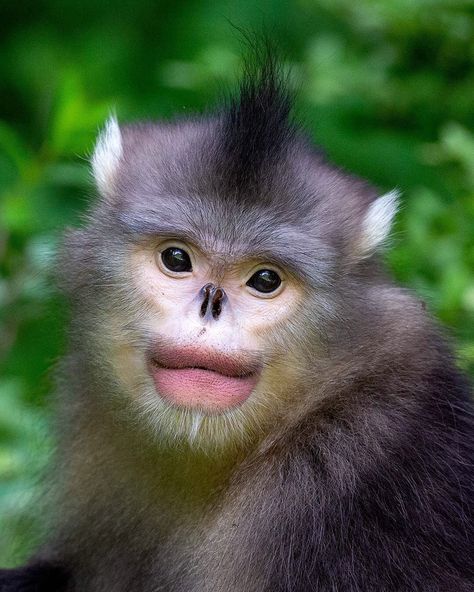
<point>265,281</point>
<point>176,259</point>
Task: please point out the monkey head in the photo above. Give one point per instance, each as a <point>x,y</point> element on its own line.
<point>208,274</point>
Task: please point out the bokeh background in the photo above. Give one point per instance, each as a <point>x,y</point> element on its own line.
<point>386,87</point>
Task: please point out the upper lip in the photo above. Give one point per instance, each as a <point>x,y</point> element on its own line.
<point>237,365</point>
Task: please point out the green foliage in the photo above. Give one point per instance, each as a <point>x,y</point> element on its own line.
<point>386,88</point>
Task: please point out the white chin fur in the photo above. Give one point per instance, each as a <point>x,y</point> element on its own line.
<point>174,425</point>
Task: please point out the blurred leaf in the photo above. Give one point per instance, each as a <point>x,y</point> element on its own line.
<point>12,146</point>
<point>74,120</point>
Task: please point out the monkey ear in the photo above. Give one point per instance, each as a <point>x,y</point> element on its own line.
<point>107,155</point>
<point>377,223</point>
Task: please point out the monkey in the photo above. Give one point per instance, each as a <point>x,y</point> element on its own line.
<point>248,403</point>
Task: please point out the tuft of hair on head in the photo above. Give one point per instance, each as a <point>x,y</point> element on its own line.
<point>107,155</point>
<point>377,223</point>
<point>256,122</point>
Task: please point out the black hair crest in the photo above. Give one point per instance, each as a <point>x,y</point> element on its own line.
<point>257,127</point>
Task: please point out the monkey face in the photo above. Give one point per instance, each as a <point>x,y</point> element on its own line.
<point>210,323</point>
<point>207,335</point>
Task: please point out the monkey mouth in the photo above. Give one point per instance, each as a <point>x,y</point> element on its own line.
<point>202,379</point>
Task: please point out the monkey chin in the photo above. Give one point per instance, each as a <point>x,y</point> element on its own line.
<point>201,389</point>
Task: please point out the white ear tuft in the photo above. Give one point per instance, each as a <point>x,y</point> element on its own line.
<point>107,155</point>
<point>377,222</point>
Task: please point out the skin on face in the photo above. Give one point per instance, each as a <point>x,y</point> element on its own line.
<point>195,361</point>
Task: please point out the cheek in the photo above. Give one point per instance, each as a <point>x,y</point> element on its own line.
<point>266,317</point>
<point>129,367</point>
<point>163,294</point>
<point>124,360</point>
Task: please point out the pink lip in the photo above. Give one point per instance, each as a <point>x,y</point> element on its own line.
<point>203,379</point>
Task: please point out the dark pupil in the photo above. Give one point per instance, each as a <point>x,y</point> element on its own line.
<point>176,259</point>
<point>265,280</point>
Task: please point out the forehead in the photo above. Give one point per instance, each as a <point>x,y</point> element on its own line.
<point>230,233</point>
<point>174,183</point>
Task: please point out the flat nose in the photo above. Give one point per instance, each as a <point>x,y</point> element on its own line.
<point>213,299</point>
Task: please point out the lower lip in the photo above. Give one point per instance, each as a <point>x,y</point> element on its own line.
<point>202,389</point>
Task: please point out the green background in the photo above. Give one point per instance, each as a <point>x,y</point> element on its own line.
<point>385,86</point>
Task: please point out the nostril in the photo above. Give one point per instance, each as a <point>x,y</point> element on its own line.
<point>217,301</point>
<point>212,301</point>
<point>204,304</point>
<point>206,293</point>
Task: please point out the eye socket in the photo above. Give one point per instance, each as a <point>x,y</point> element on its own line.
<point>176,259</point>
<point>265,281</point>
